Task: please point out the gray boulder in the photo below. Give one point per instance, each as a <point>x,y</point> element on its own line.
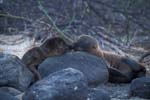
<point>6,96</point>
<point>67,84</point>
<point>10,90</point>
<point>140,87</point>
<point>13,72</point>
<point>94,68</point>
<point>98,94</point>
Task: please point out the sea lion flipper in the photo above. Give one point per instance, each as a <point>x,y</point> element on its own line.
<point>36,73</point>
<point>116,76</point>
<point>134,65</point>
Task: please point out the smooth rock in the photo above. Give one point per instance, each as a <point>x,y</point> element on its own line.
<point>10,90</point>
<point>98,94</point>
<point>13,72</point>
<point>94,68</point>
<point>6,96</point>
<point>140,87</point>
<point>67,84</point>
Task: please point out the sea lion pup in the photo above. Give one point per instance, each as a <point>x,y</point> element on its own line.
<point>51,47</point>
<point>122,69</point>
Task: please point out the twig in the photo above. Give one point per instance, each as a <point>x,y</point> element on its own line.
<point>145,55</point>
<point>112,46</point>
<point>72,19</point>
<point>114,9</point>
<point>54,24</point>
<point>134,35</point>
<point>16,17</point>
<point>112,40</point>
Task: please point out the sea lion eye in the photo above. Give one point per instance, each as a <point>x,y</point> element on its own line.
<point>94,47</point>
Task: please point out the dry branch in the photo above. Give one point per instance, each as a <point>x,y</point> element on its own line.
<point>68,40</point>
<point>16,17</point>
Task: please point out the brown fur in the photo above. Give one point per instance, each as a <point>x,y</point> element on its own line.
<point>122,69</point>
<point>51,47</point>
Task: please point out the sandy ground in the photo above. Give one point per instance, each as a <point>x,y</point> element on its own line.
<point>16,48</point>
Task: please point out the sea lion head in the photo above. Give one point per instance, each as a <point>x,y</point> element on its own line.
<point>55,46</point>
<point>86,43</point>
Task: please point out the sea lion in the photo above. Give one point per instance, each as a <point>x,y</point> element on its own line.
<point>122,69</point>
<point>51,47</point>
